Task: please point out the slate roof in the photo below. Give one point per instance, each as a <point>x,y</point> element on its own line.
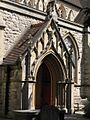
<point>21,45</point>
<point>31,34</point>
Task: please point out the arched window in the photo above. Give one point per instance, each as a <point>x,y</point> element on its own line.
<point>72,46</point>
<point>61,11</point>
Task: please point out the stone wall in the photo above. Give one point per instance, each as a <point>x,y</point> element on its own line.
<point>78,38</point>
<point>85,65</point>
<point>76,91</point>
<point>15,89</point>
<point>83,41</point>
<point>2,90</point>
<point>1,83</point>
<point>15,25</point>
<point>10,90</point>
<point>70,11</point>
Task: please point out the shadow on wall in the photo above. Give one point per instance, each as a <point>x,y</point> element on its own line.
<point>85,3</point>
<point>85,71</point>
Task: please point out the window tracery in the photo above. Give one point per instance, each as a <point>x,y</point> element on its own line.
<point>70,48</point>
<point>73,50</point>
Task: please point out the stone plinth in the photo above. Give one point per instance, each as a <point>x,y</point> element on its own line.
<point>25,114</point>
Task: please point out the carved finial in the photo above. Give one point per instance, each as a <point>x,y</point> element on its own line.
<point>50,8</point>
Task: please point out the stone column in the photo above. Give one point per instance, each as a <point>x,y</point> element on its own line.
<point>70,102</point>
<point>61,95</point>
<point>2,78</point>
<point>2,26</point>
<point>85,81</point>
<point>25,83</point>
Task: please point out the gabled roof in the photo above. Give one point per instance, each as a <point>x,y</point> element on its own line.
<point>21,45</point>
<point>29,38</point>
<point>31,34</point>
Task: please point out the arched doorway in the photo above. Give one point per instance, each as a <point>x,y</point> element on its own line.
<point>43,86</point>
<point>48,74</point>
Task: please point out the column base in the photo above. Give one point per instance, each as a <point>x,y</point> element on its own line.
<point>70,111</point>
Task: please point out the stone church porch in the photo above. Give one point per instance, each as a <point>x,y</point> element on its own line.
<point>46,64</point>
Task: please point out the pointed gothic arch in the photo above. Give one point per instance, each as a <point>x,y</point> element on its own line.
<point>50,51</point>
<point>49,72</point>
<point>72,44</point>
<point>70,15</point>
<point>40,5</point>
<point>69,35</point>
<point>43,48</point>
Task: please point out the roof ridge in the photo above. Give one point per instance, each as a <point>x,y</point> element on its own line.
<point>37,24</point>
<point>22,44</point>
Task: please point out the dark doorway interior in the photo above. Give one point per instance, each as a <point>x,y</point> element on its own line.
<point>43,86</point>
